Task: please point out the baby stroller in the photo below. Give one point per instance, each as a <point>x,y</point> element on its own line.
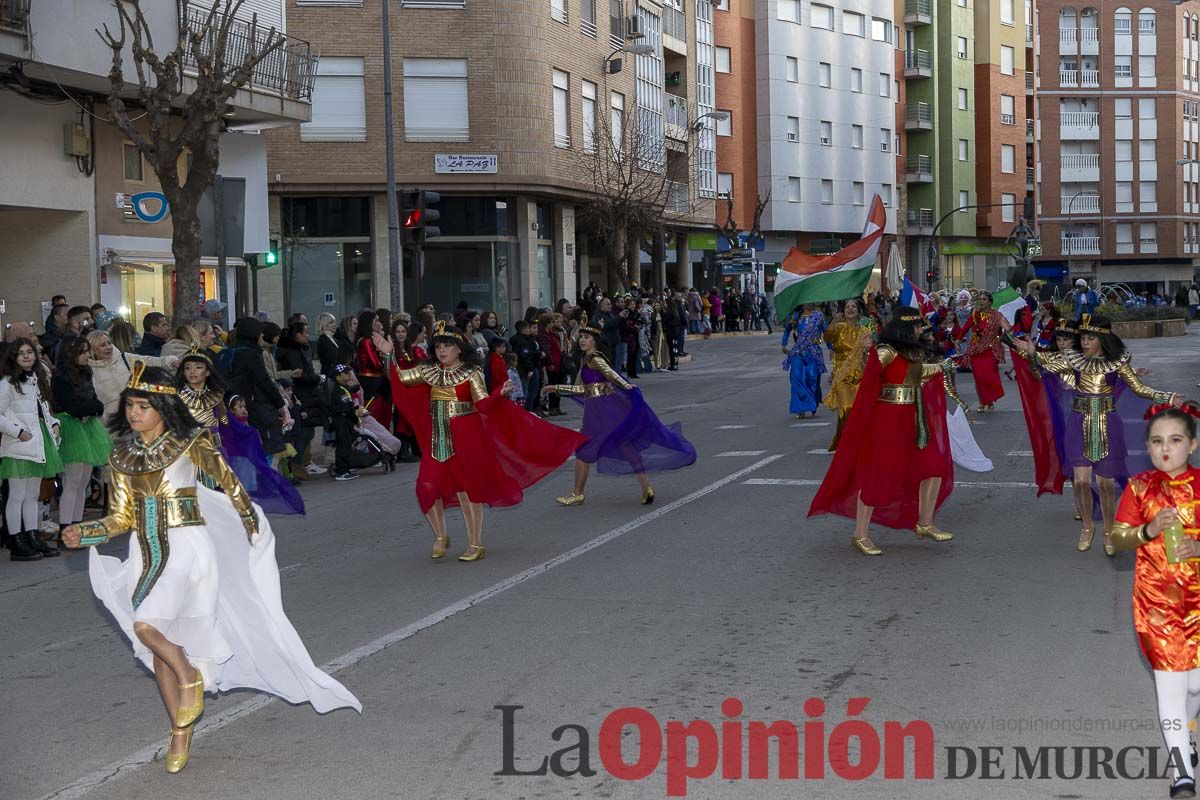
<point>366,451</point>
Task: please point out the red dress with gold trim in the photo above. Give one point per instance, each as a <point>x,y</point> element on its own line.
<point>985,354</point>
<point>368,363</point>
<point>1166,596</point>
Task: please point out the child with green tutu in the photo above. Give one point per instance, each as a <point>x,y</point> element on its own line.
<point>85,441</point>
<point>28,446</point>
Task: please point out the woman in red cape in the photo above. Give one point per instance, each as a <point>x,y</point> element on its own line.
<point>476,449</point>
<point>893,463</point>
<point>984,354</point>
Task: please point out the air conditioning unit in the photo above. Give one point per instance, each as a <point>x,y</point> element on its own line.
<point>793,137</point>
<point>633,27</point>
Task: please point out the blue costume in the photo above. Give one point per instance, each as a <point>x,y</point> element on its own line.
<point>805,361</point>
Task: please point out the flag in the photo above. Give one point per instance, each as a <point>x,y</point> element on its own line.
<point>818,279</point>
<point>913,297</point>
<point>1008,302</point>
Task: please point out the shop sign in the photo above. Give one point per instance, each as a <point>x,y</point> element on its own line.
<point>144,206</point>
<point>453,163</point>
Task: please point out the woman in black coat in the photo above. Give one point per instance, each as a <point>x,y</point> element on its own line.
<point>294,357</point>
<point>333,346</point>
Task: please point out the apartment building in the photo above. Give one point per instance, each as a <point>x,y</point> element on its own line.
<point>501,106</point>
<point>67,174</point>
<point>1120,108</point>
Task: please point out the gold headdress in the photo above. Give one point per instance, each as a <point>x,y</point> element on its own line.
<point>195,354</point>
<point>1086,326</point>
<point>135,381</point>
<point>910,318</point>
<point>592,330</point>
<point>440,329</point>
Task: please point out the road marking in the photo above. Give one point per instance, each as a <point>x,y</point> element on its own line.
<point>735,453</point>
<point>820,452</point>
<point>733,427</point>
<point>810,424</point>
<point>957,484</point>
<point>1019,453</point>
<point>81,786</point>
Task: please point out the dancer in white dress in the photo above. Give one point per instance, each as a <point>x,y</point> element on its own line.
<point>199,594</point>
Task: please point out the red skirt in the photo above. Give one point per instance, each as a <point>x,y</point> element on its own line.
<point>986,370</point>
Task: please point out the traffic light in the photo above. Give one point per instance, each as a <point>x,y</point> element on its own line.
<point>929,278</point>
<point>418,220</point>
<point>271,258</point>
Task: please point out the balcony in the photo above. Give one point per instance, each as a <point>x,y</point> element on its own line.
<point>1081,204</point>
<point>919,222</point>
<point>1068,77</point>
<point>918,12</point>
<point>1080,168</point>
<point>1029,82</point>
<point>675,110</point>
<point>674,29</point>
<point>14,15</point>
<point>1081,245</point>
<point>677,197</point>
<point>1089,41</point>
<point>918,117</point>
<point>918,169</point>
<point>918,64</point>
<point>1029,131</point>
<point>1077,125</point>
<point>288,72</point>
<point>1089,78</point>
<point>1030,178</point>
<point>1028,35</point>
<point>1068,42</point>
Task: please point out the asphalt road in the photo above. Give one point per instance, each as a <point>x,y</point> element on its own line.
<point>1005,637</point>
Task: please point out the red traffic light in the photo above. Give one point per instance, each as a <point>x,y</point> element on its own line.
<point>413,218</point>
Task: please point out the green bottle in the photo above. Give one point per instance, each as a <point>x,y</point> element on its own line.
<point>1172,537</point>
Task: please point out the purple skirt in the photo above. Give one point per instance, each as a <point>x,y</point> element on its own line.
<point>242,447</point>
<point>626,437</point>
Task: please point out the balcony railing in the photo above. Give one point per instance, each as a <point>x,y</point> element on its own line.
<point>1067,36</point>
<point>1030,176</point>
<point>1089,35</point>
<point>1079,119</point>
<point>1068,77</point>
<point>677,197</point>
<point>1080,245</point>
<point>918,115</point>
<point>1081,204</point>
<point>676,111</point>
<point>14,14</point>
<point>1028,34</point>
<point>1081,161</point>
<point>917,63</point>
<point>918,12</point>
<point>674,23</point>
<point>918,168</point>
<point>288,71</point>
<point>1029,82</point>
<point>1089,78</point>
<point>919,218</point>
<point>1029,130</point>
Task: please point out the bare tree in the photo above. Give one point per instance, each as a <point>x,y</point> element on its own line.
<point>218,52</point>
<point>637,185</point>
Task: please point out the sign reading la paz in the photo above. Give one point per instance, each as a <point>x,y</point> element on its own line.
<point>451,163</point>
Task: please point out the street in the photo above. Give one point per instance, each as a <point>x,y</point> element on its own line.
<point>1005,637</point>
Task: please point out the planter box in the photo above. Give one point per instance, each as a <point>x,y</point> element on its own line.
<point>1149,329</point>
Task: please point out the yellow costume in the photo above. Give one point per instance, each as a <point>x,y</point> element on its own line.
<point>850,342</point>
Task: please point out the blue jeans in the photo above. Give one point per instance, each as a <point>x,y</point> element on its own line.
<point>693,326</point>
<point>533,390</point>
<point>621,357</point>
<point>645,360</point>
<point>681,341</point>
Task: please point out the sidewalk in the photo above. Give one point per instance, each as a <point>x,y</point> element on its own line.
<point>693,336</point>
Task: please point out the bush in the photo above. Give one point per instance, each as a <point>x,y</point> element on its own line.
<point>1118,313</point>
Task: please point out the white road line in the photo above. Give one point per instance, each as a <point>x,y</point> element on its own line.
<point>1019,453</point>
<point>957,484</point>
<point>820,452</point>
<point>736,453</point>
<point>810,424</point>
<point>81,786</point>
<point>733,427</point>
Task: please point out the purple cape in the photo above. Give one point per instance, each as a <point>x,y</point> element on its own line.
<point>243,450</point>
<point>625,436</point>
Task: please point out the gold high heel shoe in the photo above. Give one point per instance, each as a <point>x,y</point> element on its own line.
<point>187,715</point>
<point>177,761</point>
<point>647,495</point>
<point>473,553</point>
<point>1085,540</point>
<point>866,546</point>
<point>440,545</point>
<point>571,499</point>
<point>932,532</point>
<point>1110,549</point>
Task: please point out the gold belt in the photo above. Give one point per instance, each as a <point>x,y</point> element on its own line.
<point>178,511</point>
<point>898,394</point>
<point>453,408</point>
<point>597,389</point>
<point>1092,404</point>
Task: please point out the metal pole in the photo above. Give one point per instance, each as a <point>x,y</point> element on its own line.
<point>222,287</point>
<point>1071,226</point>
<point>394,273</point>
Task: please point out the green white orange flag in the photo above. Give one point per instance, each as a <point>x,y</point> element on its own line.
<point>818,279</point>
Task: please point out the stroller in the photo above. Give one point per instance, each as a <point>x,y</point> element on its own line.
<point>366,451</point>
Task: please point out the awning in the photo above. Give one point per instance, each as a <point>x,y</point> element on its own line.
<point>116,257</point>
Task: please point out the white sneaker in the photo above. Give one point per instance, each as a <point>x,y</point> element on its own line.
<point>46,525</point>
<point>315,469</point>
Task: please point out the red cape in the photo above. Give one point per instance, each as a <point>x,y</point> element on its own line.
<point>1035,403</point>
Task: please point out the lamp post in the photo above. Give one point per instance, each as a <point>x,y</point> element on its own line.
<point>1070,225</point>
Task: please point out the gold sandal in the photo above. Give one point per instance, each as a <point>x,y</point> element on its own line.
<point>1085,540</point>
<point>186,716</point>
<point>177,761</point>
<point>473,553</point>
<point>440,545</point>
<point>866,546</point>
<point>932,532</point>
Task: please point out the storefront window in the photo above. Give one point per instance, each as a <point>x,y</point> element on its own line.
<point>147,287</point>
<point>328,276</point>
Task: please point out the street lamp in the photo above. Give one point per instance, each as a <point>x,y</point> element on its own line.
<point>718,116</point>
<point>1070,224</point>
<point>612,67</point>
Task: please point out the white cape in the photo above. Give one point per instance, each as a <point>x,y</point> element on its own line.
<point>963,449</point>
<point>250,643</point>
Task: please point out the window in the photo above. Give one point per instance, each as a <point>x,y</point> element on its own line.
<point>616,123</point>
<point>1147,150</point>
<point>725,126</point>
<point>1122,26</point>
<point>854,24</point>
<point>824,74</point>
<point>1146,108</point>
<point>558,10</point>
<point>1007,16</point>
<point>793,190</point>
<point>1006,110</point>
<point>793,129</point>
<point>859,193</point>
<point>962,99</point>
<point>133,163</point>
<point>1122,67</point>
<point>562,104</point>
<point>435,100</point>
<point>1008,159</point>
<point>881,29</point>
<point>789,10</point>
<point>856,80</point>
<point>722,59</point>
<point>1124,237</point>
<point>724,184</point>
<point>885,85</point>
<point>339,107</point>
<point>1006,60</point>
<point>589,116</point>
<point>821,16</point>
<point>1148,195</point>
<point>1123,108</point>
<point>587,16</point>
<point>793,70</point>
<point>885,140</point>
<point>962,47</point>
<point>964,198</point>
<point>1124,196</point>
<point>1145,69</point>
<point>1146,21</point>
<point>856,137</point>
<point>722,5</point>
<point>885,194</point>
<point>963,149</point>
<point>826,191</point>
<point>1148,235</point>
<point>1124,150</point>
<point>1008,208</point>
<point>826,133</point>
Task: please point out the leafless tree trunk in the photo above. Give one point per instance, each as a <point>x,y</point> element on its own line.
<point>217,50</point>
